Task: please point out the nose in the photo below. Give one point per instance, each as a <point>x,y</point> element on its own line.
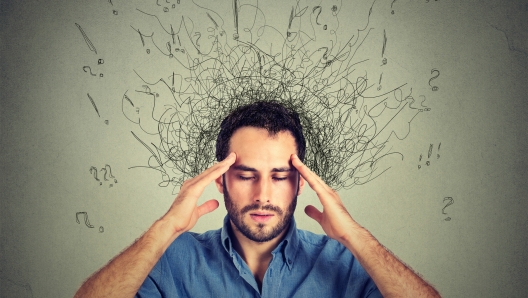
<point>263,191</point>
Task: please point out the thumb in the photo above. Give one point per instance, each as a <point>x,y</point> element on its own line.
<point>312,212</point>
<point>207,207</point>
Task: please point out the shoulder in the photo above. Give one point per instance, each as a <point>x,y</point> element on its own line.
<point>195,242</point>
<point>323,250</point>
<point>310,240</point>
<point>325,256</point>
<point>205,237</point>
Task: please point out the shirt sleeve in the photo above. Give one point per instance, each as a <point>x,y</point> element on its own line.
<point>151,286</point>
<point>360,284</point>
<point>159,282</point>
<point>148,289</point>
<point>371,290</point>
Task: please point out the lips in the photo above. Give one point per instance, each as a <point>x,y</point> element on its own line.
<point>261,216</point>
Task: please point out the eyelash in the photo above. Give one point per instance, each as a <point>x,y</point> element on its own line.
<point>275,178</point>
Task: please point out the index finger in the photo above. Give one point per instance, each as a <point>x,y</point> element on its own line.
<point>213,172</point>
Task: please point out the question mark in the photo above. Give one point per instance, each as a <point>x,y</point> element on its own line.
<point>86,220</point>
<point>199,36</point>
<point>450,202</point>
<point>392,12</point>
<point>89,68</point>
<point>93,171</point>
<point>434,88</point>
<point>317,17</point>
<point>108,171</point>
<point>313,11</point>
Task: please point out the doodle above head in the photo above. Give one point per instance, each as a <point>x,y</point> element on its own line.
<point>346,129</point>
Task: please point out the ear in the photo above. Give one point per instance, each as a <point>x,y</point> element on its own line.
<point>220,183</point>
<point>301,184</point>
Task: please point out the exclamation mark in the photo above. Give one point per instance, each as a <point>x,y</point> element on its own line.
<point>235,14</point>
<point>438,155</point>
<point>429,154</point>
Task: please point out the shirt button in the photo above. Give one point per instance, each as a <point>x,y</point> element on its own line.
<point>289,261</point>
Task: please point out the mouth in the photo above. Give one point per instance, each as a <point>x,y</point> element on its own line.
<point>261,217</point>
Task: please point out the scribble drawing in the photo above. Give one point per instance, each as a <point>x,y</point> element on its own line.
<point>107,171</point>
<point>89,69</point>
<point>107,174</point>
<point>430,151</point>
<point>429,154</point>
<point>450,201</point>
<point>210,66</point>
<point>86,39</point>
<point>86,220</point>
<point>93,104</point>
<point>434,70</point>
<point>93,171</point>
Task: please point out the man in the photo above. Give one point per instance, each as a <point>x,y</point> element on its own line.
<point>259,251</point>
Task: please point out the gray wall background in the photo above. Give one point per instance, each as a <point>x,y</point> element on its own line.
<point>51,136</point>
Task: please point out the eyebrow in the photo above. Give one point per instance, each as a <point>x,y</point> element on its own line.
<point>249,169</point>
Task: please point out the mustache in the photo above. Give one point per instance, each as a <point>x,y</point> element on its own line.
<point>257,206</point>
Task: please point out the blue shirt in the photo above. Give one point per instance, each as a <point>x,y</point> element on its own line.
<point>303,265</point>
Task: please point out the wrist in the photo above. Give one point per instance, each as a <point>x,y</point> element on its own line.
<point>162,231</point>
<point>358,239</point>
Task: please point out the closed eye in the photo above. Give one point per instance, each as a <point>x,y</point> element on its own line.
<point>280,178</point>
<point>250,178</point>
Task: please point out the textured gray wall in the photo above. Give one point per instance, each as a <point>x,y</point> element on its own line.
<point>476,128</point>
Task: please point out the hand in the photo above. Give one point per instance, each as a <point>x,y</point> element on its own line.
<point>335,219</point>
<point>184,213</point>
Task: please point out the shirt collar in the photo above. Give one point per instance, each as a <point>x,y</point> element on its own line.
<point>288,246</point>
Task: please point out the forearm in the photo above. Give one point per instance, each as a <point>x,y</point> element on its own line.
<point>392,277</point>
<point>124,275</point>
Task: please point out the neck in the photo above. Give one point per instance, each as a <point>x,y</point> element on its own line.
<point>257,255</point>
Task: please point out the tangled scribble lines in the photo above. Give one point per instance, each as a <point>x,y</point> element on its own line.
<point>206,71</point>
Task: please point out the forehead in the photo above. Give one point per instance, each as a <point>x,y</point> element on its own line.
<point>255,146</point>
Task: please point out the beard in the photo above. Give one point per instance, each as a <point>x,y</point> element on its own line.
<point>260,234</point>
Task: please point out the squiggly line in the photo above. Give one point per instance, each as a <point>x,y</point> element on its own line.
<point>86,220</point>
<point>89,68</point>
<point>108,171</point>
<point>93,171</point>
<point>347,124</point>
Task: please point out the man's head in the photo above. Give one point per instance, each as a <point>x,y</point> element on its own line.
<point>270,115</point>
<point>261,187</point>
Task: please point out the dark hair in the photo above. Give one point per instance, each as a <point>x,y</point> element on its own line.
<point>271,115</point>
